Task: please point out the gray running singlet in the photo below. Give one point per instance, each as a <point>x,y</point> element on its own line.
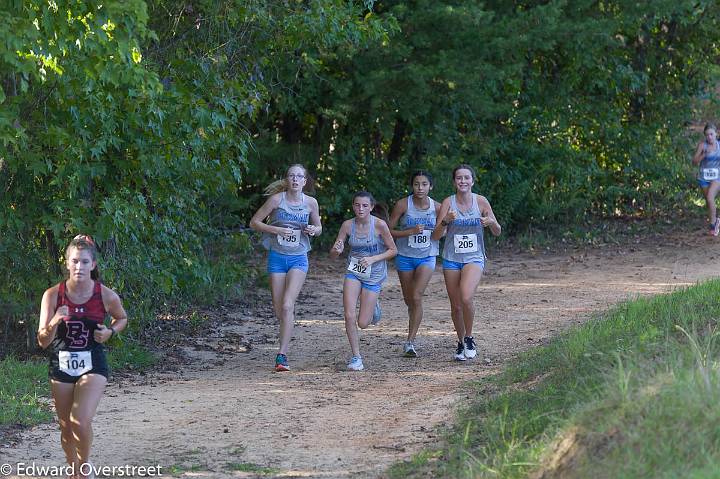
<point>362,246</point>
<point>418,246</point>
<point>710,165</point>
<point>464,241</point>
<point>296,217</point>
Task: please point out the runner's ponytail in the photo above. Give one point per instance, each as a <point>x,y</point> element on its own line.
<point>277,186</point>
<point>380,211</point>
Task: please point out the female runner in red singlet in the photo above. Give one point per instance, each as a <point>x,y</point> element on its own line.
<point>72,317</point>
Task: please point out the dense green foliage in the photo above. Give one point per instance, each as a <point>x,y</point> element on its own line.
<point>130,121</point>
<point>630,394</point>
<point>154,125</point>
<point>565,108</point>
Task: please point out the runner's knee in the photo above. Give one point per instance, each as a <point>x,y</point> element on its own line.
<point>467,300</point>
<point>66,431</point>
<point>417,299</point>
<point>65,427</point>
<point>288,309</point>
<point>81,427</point>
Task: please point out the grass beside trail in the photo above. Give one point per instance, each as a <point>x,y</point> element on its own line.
<point>633,393</point>
<point>25,390</point>
<point>23,384</point>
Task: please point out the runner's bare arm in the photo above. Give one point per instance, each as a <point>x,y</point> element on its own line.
<point>257,222</point>
<point>391,251</point>
<point>49,318</point>
<point>400,209</point>
<point>487,217</point>
<point>339,244</point>
<point>439,230</point>
<point>437,209</point>
<point>118,316</point>
<point>699,153</point>
<point>315,226</point>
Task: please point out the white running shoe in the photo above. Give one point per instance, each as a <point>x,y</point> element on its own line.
<point>355,364</point>
<point>460,352</point>
<point>409,350</point>
<point>470,350</point>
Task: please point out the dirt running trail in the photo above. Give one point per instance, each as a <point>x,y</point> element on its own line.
<point>226,410</point>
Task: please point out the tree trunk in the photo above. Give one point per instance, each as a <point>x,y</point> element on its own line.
<point>53,252</point>
<point>398,139</point>
<point>31,336</point>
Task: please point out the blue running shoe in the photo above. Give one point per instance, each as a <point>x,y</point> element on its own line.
<point>281,363</point>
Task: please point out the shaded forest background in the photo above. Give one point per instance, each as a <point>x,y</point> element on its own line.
<point>154,125</point>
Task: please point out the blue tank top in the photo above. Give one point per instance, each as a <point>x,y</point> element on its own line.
<point>710,165</point>
<point>370,245</point>
<point>296,217</point>
<point>418,246</point>
<point>464,240</point>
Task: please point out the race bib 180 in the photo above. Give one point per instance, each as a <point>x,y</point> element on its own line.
<point>362,272</point>
<point>75,363</point>
<point>421,240</point>
<point>465,243</point>
<point>711,173</point>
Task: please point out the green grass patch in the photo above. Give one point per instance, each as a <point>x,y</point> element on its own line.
<point>250,467</point>
<point>180,469</point>
<point>129,355</point>
<point>23,384</point>
<point>632,393</point>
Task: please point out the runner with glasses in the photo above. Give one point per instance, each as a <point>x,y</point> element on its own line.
<point>292,218</point>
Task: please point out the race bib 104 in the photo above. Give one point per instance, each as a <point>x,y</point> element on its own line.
<point>420,241</point>
<point>465,243</point>
<point>75,363</point>
<point>292,240</point>
<point>362,272</point>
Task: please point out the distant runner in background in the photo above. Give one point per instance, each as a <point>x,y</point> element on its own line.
<point>417,253</point>
<point>707,156</point>
<point>371,245</point>
<point>292,218</point>
<point>464,216</point>
<point>72,321</point>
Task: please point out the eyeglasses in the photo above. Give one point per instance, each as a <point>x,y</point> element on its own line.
<point>294,176</point>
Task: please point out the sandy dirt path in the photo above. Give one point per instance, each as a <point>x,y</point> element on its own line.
<point>225,410</point>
